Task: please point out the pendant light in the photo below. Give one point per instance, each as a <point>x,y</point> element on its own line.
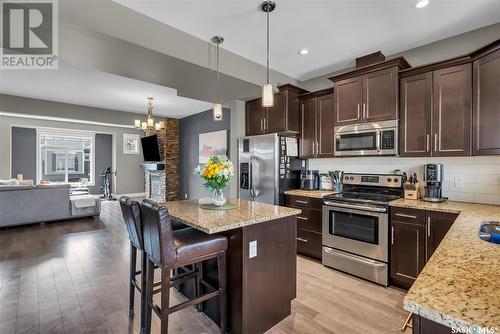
<point>149,124</point>
<point>217,109</point>
<point>267,89</point>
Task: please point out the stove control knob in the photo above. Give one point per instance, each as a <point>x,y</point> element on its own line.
<point>347,178</point>
<point>352,178</point>
<point>396,180</point>
<point>389,179</point>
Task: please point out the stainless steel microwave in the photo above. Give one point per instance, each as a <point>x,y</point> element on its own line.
<point>366,139</point>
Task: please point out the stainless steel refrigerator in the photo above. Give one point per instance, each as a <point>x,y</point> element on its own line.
<point>268,167</point>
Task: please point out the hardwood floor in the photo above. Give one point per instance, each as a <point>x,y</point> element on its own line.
<point>71,277</point>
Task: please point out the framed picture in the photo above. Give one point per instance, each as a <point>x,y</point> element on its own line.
<point>212,143</point>
<point>131,143</point>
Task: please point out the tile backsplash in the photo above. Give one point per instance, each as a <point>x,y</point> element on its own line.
<point>466,179</point>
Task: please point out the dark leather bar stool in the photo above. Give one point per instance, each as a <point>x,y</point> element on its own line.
<point>170,249</point>
<point>131,211</point>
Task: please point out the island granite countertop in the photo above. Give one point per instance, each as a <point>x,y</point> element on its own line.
<point>459,286</point>
<point>214,221</point>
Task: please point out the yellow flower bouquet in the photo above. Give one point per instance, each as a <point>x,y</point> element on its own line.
<point>217,173</point>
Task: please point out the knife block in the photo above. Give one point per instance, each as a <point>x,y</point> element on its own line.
<point>412,193</point>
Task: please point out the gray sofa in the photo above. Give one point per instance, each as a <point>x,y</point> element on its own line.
<point>27,204</point>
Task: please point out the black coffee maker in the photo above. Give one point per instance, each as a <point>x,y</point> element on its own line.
<point>433,176</point>
<point>309,179</point>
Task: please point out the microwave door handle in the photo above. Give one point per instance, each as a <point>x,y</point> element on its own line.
<point>378,140</point>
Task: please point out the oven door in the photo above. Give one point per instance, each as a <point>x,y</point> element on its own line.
<point>363,232</point>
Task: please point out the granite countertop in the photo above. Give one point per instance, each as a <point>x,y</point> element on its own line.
<point>310,193</point>
<point>460,284</point>
<point>213,221</point>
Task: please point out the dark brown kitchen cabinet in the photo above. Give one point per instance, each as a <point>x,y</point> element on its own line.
<point>309,235</point>
<point>415,235</point>
<point>415,115</point>
<point>438,224</point>
<point>436,111</point>
<point>348,97</point>
<point>407,246</point>
<point>368,94</point>
<point>316,133</point>
<point>380,95</point>
<point>422,325</point>
<point>284,116</point>
<point>452,111</point>
<point>486,110</point>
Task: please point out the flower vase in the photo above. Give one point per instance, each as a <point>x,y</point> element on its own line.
<point>218,198</point>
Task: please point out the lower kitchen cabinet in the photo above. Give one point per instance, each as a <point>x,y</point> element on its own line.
<point>425,326</point>
<point>415,235</point>
<point>309,236</point>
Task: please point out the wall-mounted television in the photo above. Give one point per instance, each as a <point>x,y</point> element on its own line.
<point>150,148</point>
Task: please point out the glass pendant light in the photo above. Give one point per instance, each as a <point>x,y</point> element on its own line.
<point>217,109</point>
<point>267,89</point>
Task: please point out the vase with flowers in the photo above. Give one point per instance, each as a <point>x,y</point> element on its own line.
<point>217,173</point>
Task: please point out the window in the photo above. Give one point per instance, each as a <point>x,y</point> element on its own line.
<point>65,156</point>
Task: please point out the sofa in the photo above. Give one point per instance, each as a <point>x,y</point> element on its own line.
<point>25,204</point>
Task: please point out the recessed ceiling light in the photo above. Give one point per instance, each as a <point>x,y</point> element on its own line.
<point>304,52</point>
<point>422,3</point>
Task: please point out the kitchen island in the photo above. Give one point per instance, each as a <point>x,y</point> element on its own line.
<point>459,286</point>
<point>261,260</point>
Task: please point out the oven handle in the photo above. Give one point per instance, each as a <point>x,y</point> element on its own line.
<point>355,258</point>
<point>356,207</point>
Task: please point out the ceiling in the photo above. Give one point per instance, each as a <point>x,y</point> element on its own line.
<point>70,84</point>
<point>335,31</point>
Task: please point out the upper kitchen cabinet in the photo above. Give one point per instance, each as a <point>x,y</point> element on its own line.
<point>486,110</point>
<point>284,116</point>
<point>368,94</point>
<point>316,133</point>
<point>452,111</point>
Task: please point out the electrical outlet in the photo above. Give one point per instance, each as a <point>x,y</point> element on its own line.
<point>252,249</point>
<point>458,181</point>
<point>185,196</point>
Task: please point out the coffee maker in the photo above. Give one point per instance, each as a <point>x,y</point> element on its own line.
<point>433,176</point>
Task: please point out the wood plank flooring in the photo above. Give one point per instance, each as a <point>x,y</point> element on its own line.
<point>71,277</point>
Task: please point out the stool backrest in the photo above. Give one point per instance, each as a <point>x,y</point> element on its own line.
<point>131,211</point>
<point>158,236</point>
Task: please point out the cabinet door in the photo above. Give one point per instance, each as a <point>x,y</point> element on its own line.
<point>275,116</point>
<point>380,95</point>
<point>308,128</point>
<point>348,100</point>
<point>487,104</point>
<point>407,252</point>
<point>438,224</point>
<point>452,111</point>
<point>325,126</point>
<point>415,115</point>
<point>254,117</point>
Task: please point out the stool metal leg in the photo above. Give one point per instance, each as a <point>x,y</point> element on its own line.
<point>144,265</point>
<point>221,263</point>
<point>150,271</point>
<point>133,262</point>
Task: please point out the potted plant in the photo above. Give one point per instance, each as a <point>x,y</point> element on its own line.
<point>217,173</point>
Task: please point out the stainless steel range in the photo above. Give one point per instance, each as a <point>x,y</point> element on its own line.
<point>356,225</point>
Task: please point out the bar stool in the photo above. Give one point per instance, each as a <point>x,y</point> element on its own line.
<point>170,249</point>
<point>131,211</point>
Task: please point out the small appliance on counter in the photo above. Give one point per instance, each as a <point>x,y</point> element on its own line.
<point>309,179</point>
<point>433,176</point>
<point>331,181</point>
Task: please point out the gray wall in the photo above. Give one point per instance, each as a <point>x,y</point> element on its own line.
<point>130,178</point>
<point>189,129</point>
<point>24,152</point>
<point>103,158</point>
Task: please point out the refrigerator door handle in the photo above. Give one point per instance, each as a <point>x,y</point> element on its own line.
<point>250,178</point>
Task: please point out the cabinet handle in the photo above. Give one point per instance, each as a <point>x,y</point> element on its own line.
<point>435,142</point>
<point>303,240</point>
<point>302,218</point>
<point>299,201</point>
<point>428,226</point>
<point>313,148</point>
<point>392,235</point>
<point>406,216</point>
<point>265,124</point>
<point>358,111</point>
<point>428,143</point>
<point>261,127</point>
<point>317,147</point>
<point>364,110</point>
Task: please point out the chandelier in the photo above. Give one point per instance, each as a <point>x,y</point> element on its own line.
<point>149,124</point>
